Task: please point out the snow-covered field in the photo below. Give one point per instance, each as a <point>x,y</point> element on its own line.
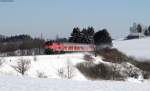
<point>8,83</point>
<point>139,48</point>
<point>48,65</point>
<point>11,80</point>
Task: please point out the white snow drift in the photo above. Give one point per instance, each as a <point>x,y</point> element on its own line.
<point>139,48</point>
<point>47,65</point>
<point>8,83</point>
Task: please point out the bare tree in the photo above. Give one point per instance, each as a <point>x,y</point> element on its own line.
<point>22,66</point>
<point>70,70</point>
<point>116,72</point>
<point>61,72</point>
<point>67,72</point>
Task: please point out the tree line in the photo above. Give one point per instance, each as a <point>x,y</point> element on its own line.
<point>24,43</point>
<point>82,36</point>
<point>89,36</point>
<point>15,38</point>
<point>86,36</point>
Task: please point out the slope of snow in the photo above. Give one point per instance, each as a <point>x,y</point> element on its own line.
<point>50,65</point>
<point>46,64</point>
<point>139,48</point>
<point>29,84</point>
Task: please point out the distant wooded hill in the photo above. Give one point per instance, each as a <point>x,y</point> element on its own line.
<point>22,43</point>
<point>15,38</point>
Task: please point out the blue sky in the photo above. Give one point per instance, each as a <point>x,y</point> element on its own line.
<point>58,17</point>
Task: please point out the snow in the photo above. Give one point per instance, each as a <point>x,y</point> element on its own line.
<point>8,83</point>
<point>49,66</point>
<point>46,64</point>
<point>133,80</point>
<point>11,80</point>
<point>138,48</point>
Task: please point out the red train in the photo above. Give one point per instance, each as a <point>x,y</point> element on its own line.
<point>70,47</point>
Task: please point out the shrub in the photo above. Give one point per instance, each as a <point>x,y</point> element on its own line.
<point>22,66</point>
<point>143,65</point>
<point>1,61</point>
<point>34,58</point>
<point>146,75</point>
<point>41,74</point>
<point>112,55</point>
<point>112,71</point>
<point>88,57</point>
<point>66,72</point>
<point>115,56</point>
<point>99,71</point>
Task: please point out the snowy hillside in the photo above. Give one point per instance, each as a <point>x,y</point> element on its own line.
<point>139,48</point>
<point>46,65</point>
<point>8,83</point>
<point>68,66</point>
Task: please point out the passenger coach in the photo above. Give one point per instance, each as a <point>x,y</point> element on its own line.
<point>70,47</point>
